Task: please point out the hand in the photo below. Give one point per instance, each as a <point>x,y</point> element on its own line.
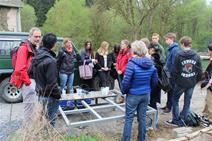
<point>106,69</point>
<point>94,61</point>
<point>119,72</point>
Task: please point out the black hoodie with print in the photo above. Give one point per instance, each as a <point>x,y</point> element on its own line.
<point>187,68</point>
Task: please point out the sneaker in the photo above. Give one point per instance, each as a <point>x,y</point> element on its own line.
<point>170,122</point>
<point>166,110</point>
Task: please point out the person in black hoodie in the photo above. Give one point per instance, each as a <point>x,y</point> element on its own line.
<point>44,70</point>
<point>186,72</point>
<point>159,62</point>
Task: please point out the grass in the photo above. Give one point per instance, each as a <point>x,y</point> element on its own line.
<point>39,129</point>
<point>81,138</point>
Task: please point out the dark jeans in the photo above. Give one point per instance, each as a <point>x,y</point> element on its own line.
<point>187,99</point>
<point>120,78</point>
<point>155,93</point>
<point>104,78</point>
<point>50,108</point>
<point>135,103</point>
<point>170,95</point>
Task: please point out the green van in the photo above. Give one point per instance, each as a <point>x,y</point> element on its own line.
<point>10,93</point>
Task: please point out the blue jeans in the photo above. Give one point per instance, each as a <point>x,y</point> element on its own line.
<point>135,103</point>
<point>50,108</point>
<point>178,91</point>
<point>66,80</point>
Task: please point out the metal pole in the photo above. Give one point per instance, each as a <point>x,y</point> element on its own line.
<point>92,110</point>
<point>113,103</point>
<point>64,116</point>
<point>87,110</point>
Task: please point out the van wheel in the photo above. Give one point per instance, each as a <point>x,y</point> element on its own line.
<point>97,84</point>
<point>9,92</point>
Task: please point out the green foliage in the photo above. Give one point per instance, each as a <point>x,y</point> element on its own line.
<point>41,8</point>
<point>28,18</point>
<point>69,18</point>
<point>114,20</point>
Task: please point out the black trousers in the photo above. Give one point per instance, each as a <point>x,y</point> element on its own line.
<point>104,78</point>
<point>154,96</point>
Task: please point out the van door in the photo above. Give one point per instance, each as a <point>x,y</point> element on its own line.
<point>5,47</point>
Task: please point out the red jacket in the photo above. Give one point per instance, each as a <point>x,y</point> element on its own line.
<point>24,57</point>
<point>122,60</point>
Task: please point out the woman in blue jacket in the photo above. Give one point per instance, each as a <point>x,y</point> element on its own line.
<point>140,76</point>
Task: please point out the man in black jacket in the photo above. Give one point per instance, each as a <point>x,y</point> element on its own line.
<point>44,68</point>
<point>187,72</point>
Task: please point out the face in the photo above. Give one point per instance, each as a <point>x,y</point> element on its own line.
<point>209,53</point>
<point>35,38</point>
<point>151,51</point>
<point>123,45</point>
<point>88,46</point>
<point>155,39</point>
<point>68,46</point>
<point>168,41</point>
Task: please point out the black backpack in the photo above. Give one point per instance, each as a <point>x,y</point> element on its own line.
<point>195,120</point>
<point>192,119</point>
<point>163,81</point>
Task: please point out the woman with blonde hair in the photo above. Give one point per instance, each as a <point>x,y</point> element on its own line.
<point>104,64</point>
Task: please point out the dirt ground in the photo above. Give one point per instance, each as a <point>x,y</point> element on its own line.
<point>111,130</point>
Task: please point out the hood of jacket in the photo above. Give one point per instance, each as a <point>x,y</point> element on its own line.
<point>42,53</point>
<point>187,53</point>
<point>142,62</point>
<point>173,46</point>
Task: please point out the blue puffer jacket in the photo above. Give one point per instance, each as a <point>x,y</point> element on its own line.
<point>139,77</point>
<point>172,50</point>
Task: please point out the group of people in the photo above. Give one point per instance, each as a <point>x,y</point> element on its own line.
<point>138,67</point>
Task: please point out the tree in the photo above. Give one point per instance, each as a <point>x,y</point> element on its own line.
<point>41,8</point>
<point>134,12</point>
<point>28,18</point>
<point>69,18</point>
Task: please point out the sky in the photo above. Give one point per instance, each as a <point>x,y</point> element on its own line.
<point>209,1</point>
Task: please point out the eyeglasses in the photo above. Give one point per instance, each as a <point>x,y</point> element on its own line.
<point>37,36</point>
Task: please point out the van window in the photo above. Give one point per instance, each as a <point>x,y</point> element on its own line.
<point>6,46</point>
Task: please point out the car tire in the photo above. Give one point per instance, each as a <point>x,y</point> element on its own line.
<point>97,85</point>
<point>9,92</point>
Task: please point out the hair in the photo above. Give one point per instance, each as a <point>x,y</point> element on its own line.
<point>210,46</point>
<point>91,48</point>
<point>186,41</point>
<point>65,40</point>
<point>170,35</point>
<point>139,48</point>
<point>49,40</point>
<point>116,47</point>
<point>126,42</point>
<point>155,34</point>
<point>102,49</point>
<point>32,30</point>
<point>146,41</point>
